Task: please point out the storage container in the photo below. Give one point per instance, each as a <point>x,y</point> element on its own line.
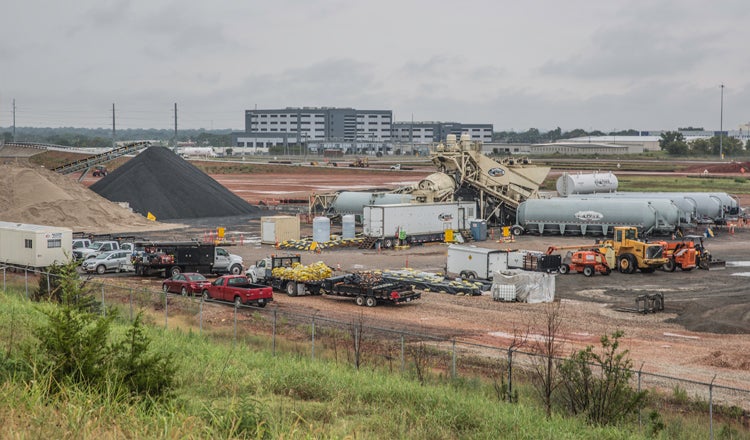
<point>279,228</point>
<point>348,226</point>
<point>321,229</point>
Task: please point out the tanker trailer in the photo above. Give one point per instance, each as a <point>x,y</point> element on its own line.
<point>591,183</point>
<point>353,202</point>
<point>702,206</point>
<point>595,216</point>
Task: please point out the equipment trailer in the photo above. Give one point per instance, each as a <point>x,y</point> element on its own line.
<point>368,290</point>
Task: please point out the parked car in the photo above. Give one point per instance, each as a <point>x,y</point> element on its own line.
<point>186,283</point>
<point>109,261</point>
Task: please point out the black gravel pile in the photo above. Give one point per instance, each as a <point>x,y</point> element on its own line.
<point>162,183</point>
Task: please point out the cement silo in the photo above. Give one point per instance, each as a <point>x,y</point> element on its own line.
<point>702,206</point>
<point>595,216</point>
<point>589,183</point>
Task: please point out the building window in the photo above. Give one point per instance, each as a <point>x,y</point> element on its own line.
<point>55,243</point>
<point>28,244</point>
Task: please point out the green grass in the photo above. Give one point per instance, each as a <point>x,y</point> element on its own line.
<point>228,390</point>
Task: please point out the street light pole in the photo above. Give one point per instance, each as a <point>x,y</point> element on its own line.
<point>721,125</point>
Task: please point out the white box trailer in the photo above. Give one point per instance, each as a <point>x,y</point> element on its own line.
<point>34,246</point>
<point>278,228</point>
<point>475,262</point>
<point>415,222</point>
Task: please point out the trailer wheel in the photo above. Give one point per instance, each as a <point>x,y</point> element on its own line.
<point>517,230</point>
<point>471,276</point>
<point>564,269</point>
<point>100,269</point>
<point>370,301</point>
<point>291,288</point>
<point>588,271</point>
<point>360,300</point>
<point>175,270</point>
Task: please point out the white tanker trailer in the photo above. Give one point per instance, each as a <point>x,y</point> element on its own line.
<point>590,183</point>
<point>596,216</point>
<point>712,207</point>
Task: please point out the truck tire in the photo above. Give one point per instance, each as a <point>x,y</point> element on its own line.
<point>359,300</point>
<point>626,264</point>
<point>205,295</point>
<point>371,301</point>
<point>175,270</point>
<point>291,288</point>
<point>388,243</point>
<point>100,269</point>
<point>564,269</point>
<point>517,230</point>
<point>588,271</point>
<point>236,269</point>
<point>237,302</point>
<point>261,304</point>
<point>669,266</point>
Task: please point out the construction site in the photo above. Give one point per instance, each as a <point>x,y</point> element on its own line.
<point>624,261</point>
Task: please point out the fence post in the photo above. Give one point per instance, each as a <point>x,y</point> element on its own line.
<point>510,374</point>
<point>200,317</point>
<point>313,337</point>
<point>130,302</point>
<point>166,312</point>
<point>711,407</point>
<point>273,338</point>
<point>48,286</point>
<point>453,361</point>
<point>104,307</point>
<point>234,342</point>
<point>4,269</point>
<point>26,281</point>
<point>403,360</point>
<point>640,372</point>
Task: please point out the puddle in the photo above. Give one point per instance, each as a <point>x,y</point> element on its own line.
<point>738,263</point>
<point>741,274</point>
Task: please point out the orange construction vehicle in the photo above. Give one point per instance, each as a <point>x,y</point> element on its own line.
<point>583,259</point>
<point>682,254</point>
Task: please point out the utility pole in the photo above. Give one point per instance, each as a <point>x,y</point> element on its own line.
<point>114,144</point>
<point>14,119</point>
<point>175,126</point>
<point>721,125</point>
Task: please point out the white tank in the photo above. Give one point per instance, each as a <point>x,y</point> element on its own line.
<point>347,226</point>
<point>321,229</point>
<point>590,183</point>
<point>353,202</point>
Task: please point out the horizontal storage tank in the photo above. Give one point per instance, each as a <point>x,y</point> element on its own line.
<point>700,205</point>
<point>596,216</point>
<point>591,183</point>
<point>353,202</point>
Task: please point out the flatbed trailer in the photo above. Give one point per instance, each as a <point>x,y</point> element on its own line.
<point>367,293</point>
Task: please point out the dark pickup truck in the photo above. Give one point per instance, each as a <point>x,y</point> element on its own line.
<point>368,290</point>
<point>238,289</point>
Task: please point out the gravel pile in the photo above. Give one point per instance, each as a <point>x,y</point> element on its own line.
<point>162,183</point>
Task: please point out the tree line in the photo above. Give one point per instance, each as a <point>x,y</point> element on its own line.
<point>102,138</point>
<point>674,143</point>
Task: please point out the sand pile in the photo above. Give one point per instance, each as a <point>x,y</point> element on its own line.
<point>31,194</point>
<point>162,183</point>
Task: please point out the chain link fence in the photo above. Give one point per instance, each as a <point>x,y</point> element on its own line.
<point>359,343</point>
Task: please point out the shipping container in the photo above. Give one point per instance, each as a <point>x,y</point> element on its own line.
<point>279,228</point>
<point>34,246</point>
<point>415,222</point>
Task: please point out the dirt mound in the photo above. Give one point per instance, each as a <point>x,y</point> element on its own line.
<point>162,183</point>
<point>731,167</point>
<point>33,194</point>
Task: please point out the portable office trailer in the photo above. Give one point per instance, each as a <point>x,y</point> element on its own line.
<point>34,246</point>
<point>475,262</point>
<point>278,228</point>
<point>415,222</point>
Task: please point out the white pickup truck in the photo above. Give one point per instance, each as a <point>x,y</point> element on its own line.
<point>99,247</point>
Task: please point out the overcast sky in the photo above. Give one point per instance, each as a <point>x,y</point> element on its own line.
<point>575,64</point>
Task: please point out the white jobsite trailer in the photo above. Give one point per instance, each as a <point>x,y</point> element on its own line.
<point>34,246</point>
<point>408,223</point>
<point>475,262</point>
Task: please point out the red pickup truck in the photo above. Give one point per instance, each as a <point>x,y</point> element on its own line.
<point>240,290</point>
